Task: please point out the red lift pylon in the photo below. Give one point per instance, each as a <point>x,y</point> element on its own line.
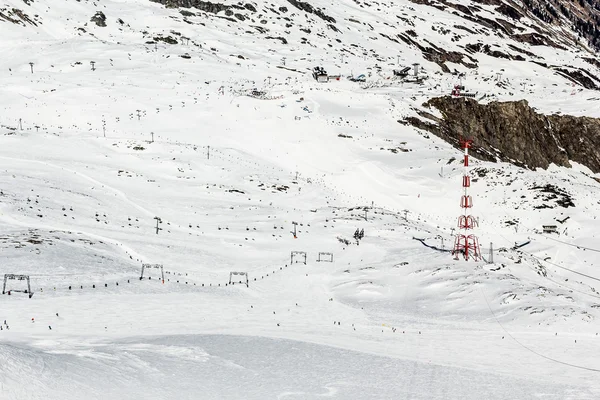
<point>465,243</point>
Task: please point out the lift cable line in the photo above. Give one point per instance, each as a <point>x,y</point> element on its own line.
<point>571,244</point>
<point>554,264</point>
<point>530,349</point>
<point>559,266</point>
<point>561,241</point>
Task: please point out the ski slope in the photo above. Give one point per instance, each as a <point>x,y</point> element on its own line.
<point>91,157</point>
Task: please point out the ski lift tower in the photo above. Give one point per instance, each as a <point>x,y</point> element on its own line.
<point>465,243</point>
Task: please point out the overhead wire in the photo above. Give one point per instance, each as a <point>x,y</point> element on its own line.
<point>552,280</point>
<point>530,349</point>
<point>560,241</point>
<point>560,266</point>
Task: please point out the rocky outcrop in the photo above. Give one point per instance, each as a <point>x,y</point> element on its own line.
<point>304,6</point>
<point>16,16</point>
<point>206,6</point>
<point>487,49</point>
<point>514,132</point>
<point>580,76</point>
<point>99,19</point>
<point>550,17</point>
<point>438,55</point>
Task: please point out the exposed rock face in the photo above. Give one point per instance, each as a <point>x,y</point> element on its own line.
<point>206,6</point>
<point>16,16</point>
<point>583,16</point>
<point>514,132</point>
<point>99,19</point>
<point>304,6</point>
<point>438,55</point>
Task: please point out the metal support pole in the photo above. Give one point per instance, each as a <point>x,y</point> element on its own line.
<point>158,220</point>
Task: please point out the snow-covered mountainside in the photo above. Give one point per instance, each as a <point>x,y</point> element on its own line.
<point>193,135</point>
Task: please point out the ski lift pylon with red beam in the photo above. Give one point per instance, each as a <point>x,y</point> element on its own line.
<point>467,222</point>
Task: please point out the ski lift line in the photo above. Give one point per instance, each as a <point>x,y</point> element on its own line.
<point>556,265</point>
<point>561,241</point>
<point>530,349</point>
<point>572,245</point>
<point>568,287</point>
<point>565,286</point>
<point>559,266</point>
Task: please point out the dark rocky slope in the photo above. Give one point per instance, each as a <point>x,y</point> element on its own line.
<point>515,132</point>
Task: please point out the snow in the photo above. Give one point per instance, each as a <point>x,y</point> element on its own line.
<point>228,174</point>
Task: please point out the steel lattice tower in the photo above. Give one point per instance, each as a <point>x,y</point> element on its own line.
<point>465,243</point>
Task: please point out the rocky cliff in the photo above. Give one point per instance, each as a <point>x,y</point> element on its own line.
<point>514,132</point>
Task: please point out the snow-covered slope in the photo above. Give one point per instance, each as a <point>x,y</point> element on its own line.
<point>231,144</point>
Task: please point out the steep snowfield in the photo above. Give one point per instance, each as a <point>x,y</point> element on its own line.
<point>228,173</point>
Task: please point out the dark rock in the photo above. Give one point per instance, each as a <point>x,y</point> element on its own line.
<point>438,55</point>
<point>99,19</point>
<point>553,193</point>
<point>166,39</point>
<point>583,16</point>
<point>16,16</point>
<point>303,6</point>
<point>206,6</point>
<point>580,76</point>
<point>536,39</point>
<point>486,49</point>
<point>514,132</point>
<point>592,61</point>
<point>260,29</point>
<point>509,11</point>
<point>283,40</point>
<point>520,50</point>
